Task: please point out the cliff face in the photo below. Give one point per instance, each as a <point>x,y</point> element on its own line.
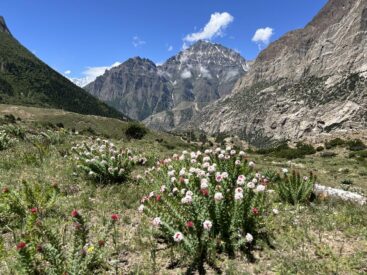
<point>309,81</point>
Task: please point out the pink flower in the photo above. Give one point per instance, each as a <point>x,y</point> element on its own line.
<point>189,224</point>
<point>157,221</point>
<point>218,178</point>
<point>34,210</point>
<point>115,217</point>
<point>207,225</point>
<point>21,245</point>
<point>218,196</point>
<point>74,213</point>
<point>255,211</point>
<point>178,237</point>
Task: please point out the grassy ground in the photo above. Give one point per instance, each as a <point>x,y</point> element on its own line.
<point>325,237</point>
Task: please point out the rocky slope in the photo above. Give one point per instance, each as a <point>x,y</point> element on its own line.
<point>310,81</point>
<point>169,95</point>
<point>26,80</point>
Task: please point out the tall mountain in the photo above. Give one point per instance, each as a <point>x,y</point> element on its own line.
<point>169,95</point>
<point>26,80</point>
<point>310,81</point>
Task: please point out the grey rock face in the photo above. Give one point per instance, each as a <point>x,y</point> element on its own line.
<point>310,81</point>
<point>169,95</point>
<point>3,27</point>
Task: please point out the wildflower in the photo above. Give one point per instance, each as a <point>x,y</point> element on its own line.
<point>260,188</point>
<point>237,162</point>
<point>151,194</point>
<point>227,157</point>
<point>255,211</point>
<point>186,200</point>
<point>228,148</point>
<point>101,243</point>
<point>239,190</point>
<point>174,190</point>
<point>178,237</point>
<point>189,193</point>
<point>75,213</point>
<point>193,160</point>
<point>241,180</point>
<point>224,175</point>
<point>158,198</point>
<point>238,196</point>
<point>34,210</point>
<point>251,164</point>
<point>115,217</point>
<point>275,211</point>
<point>156,221</point>
<point>204,192</point>
<point>211,169</point>
<point>141,208</point>
<point>249,238</point>
<point>233,152</point>
<point>205,165</point>
<point>206,159</point>
<point>305,178</point>
<point>182,172</point>
<point>189,224</point>
<point>171,173</point>
<point>207,225</point>
<point>186,181</point>
<point>242,153</point>
<point>90,249</point>
<point>5,190</point>
<point>285,170</point>
<point>163,188</point>
<point>21,245</point>
<point>204,183</point>
<point>39,248</point>
<point>221,156</point>
<point>251,185</point>
<point>218,178</point>
<point>218,196</point>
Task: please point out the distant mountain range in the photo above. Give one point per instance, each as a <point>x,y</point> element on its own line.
<point>26,80</point>
<point>167,96</point>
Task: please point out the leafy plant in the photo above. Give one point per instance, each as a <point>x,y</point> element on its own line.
<point>334,143</point>
<point>356,145</point>
<point>295,189</point>
<point>208,203</point>
<point>101,160</point>
<point>5,140</point>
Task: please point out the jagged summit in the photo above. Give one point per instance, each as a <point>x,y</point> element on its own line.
<point>3,27</point>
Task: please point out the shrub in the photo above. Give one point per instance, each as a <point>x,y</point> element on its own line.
<point>295,189</point>
<point>207,203</point>
<point>135,130</point>
<point>334,143</point>
<point>347,182</point>
<point>282,150</point>
<point>359,155</point>
<point>320,148</point>
<point>5,140</point>
<point>305,149</point>
<point>16,131</point>
<point>327,154</point>
<point>104,162</point>
<point>355,145</point>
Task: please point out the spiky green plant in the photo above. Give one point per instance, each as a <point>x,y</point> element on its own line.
<point>5,140</point>
<point>102,161</point>
<point>294,188</point>
<point>208,203</point>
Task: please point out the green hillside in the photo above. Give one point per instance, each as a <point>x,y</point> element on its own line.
<point>26,80</point>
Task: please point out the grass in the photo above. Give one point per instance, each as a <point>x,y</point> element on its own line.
<point>324,237</point>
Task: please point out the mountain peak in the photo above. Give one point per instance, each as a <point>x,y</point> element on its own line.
<point>3,27</point>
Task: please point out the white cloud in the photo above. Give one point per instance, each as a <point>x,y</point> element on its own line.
<point>170,48</point>
<point>91,73</point>
<point>186,74</point>
<point>263,35</point>
<point>137,42</point>
<point>67,72</point>
<point>215,27</point>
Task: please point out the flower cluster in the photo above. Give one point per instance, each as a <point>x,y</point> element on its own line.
<point>103,161</point>
<point>5,140</point>
<point>205,199</point>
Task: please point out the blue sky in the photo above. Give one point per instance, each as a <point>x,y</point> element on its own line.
<point>74,35</point>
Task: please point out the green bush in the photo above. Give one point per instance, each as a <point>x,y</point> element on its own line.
<point>355,145</point>
<point>305,149</point>
<point>5,140</point>
<point>320,148</point>
<point>295,189</point>
<point>284,151</point>
<point>334,143</point>
<point>135,130</point>
<point>208,203</point>
<point>347,182</point>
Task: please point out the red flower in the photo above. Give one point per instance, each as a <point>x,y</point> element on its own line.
<point>181,180</point>
<point>5,190</point>
<point>21,245</point>
<point>204,192</point>
<point>74,213</point>
<point>101,243</point>
<point>189,224</point>
<point>39,248</point>
<point>115,217</point>
<point>158,197</point>
<point>34,210</point>
<point>255,211</point>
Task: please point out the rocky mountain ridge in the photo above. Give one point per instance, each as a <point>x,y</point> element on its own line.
<point>308,82</point>
<point>168,95</point>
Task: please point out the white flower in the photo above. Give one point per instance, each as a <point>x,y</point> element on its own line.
<point>156,221</point>
<point>182,157</point>
<point>238,190</point>
<point>163,188</point>
<point>211,169</point>
<point>110,170</point>
<point>178,237</point>
<point>174,190</point>
<point>171,173</point>
<point>254,180</point>
<point>218,178</point>
<point>91,173</point>
<point>242,153</point>
<point>183,191</point>
<point>184,152</point>
<point>189,193</point>
<point>260,188</point>
<point>224,175</point>
<point>206,159</point>
<point>237,162</point>
<point>218,196</point>
<point>233,152</point>
<point>206,165</point>
<point>221,156</point>
<point>228,148</point>
<point>141,208</point>
<point>173,179</point>
<point>207,225</point>
<point>275,211</point>
<point>249,238</point>
<point>186,200</point>
<point>204,183</point>
<point>227,157</point>
<point>192,170</point>
<point>186,181</point>
<point>182,172</point>
<point>193,161</point>
<point>251,185</point>
<point>151,194</point>
<point>251,164</point>
<point>238,196</point>
<point>193,155</point>
<point>217,150</point>
<point>285,170</point>
<point>240,181</point>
